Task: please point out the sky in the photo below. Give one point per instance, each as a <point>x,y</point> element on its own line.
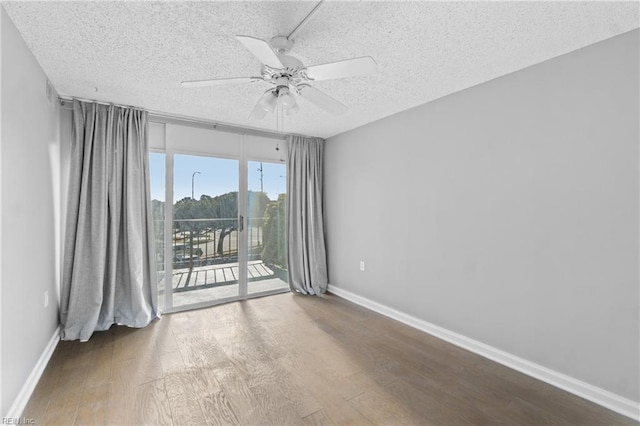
<point>217,176</point>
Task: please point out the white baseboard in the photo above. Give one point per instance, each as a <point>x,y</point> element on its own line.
<point>577,387</point>
<point>27,389</point>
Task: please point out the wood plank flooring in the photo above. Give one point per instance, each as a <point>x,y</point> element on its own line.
<point>289,359</point>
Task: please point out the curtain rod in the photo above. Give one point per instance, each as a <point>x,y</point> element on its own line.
<point>163,117</point>
<point>64,101</point>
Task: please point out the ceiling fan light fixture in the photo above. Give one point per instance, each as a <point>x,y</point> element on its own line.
<point>289,76</point>
<point>268,101</point>
<point>286,100</point>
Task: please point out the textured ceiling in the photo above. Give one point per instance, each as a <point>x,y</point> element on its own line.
<point>136,53</point>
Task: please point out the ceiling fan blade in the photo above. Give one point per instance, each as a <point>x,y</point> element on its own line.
<point>348,68</point>
<point>220,81</point>
<point>261,50</point>
<point>322,100</point>
<point>257,113</point>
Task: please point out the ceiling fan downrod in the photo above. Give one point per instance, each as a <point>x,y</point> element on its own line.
<point>304,21</point>
<point>283,44</point>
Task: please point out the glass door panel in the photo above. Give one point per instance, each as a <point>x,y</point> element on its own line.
<point>265,230</point>
<point>205,238</point>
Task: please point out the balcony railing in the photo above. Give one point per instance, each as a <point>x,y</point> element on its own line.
<point>205,252</point>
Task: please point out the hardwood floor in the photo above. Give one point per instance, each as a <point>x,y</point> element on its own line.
<point>290,359</point>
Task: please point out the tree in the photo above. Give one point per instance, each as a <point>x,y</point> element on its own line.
<point>257,204</point>
<point>222,210</point>
<point>225,207</point>
<point>274,233</point>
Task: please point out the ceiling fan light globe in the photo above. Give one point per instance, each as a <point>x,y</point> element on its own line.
<point>286,100</point>
<point>268,101</point>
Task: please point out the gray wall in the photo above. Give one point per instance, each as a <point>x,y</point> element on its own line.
<point>29,187</point>
<point>507,212</point>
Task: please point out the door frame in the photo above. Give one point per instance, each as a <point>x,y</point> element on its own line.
<point>243,159</point>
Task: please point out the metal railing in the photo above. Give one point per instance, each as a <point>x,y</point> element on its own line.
<point>200,242</point>
<point>205,252</point>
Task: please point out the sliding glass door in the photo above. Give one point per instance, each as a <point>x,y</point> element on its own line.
<point>221,238</point>
<point>205,235</point>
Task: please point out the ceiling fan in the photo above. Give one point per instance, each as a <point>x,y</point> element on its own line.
<point>289,77</point>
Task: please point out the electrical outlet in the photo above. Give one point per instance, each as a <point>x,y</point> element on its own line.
<point>362,265</point>
<point>46,299</point>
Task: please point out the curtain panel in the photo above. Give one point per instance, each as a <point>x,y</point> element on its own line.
<point>306,252</point>
<point>108,272</point>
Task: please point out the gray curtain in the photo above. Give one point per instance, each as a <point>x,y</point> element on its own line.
<point>108,274</point>
<point>306,251</point>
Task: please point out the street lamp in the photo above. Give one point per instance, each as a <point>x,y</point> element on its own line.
<point>192,182</point>
<point>193,175</point>
<point>261,178</point>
